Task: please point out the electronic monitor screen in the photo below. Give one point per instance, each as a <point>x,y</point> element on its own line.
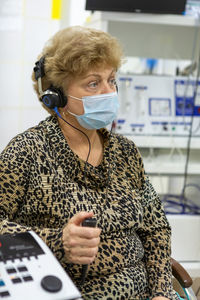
<point>19,245</point>
<point>145,6</point>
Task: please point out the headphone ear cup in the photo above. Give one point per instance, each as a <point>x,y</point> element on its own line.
<point>54,98</point>
<point>62,98</point>
<point>50,100</point>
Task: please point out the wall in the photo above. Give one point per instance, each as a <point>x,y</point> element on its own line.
<point>25,25</point>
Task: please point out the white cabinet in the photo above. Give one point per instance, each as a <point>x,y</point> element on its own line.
<point>157,36</point>
<point>141,36</point>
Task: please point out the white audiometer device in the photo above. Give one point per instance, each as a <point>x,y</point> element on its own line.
<point>29,270</point>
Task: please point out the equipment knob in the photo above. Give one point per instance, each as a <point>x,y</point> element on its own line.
<point>51,283</point>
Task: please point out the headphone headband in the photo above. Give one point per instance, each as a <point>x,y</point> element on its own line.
<point>52,97</point>
<point>39,68</point>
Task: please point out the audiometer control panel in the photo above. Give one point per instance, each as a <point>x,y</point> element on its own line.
<point>29,270</point>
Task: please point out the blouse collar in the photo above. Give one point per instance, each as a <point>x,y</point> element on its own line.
<point>74,167</point>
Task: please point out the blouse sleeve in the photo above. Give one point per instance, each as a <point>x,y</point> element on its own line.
<point>15,161</point>
<point>155,235</point>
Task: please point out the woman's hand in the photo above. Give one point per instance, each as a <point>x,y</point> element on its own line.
<point>80,243</point>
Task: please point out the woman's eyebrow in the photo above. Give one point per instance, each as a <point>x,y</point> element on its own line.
<point>92,74</point>
<point>97,75</point>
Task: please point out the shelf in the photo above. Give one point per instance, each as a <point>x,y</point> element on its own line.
<point>164,19</point>
<point>159,167</point>
<point>168,154</point>
<point>151,35</point>
<point>164,142</point>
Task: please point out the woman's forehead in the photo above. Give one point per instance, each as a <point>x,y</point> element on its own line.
<point>101,71</point>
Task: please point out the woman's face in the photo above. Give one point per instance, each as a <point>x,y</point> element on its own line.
<point>94,82</point>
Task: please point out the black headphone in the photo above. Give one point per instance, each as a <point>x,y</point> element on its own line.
<point>53,97</point>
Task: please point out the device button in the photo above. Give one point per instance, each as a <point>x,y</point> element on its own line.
<point>4,294</point>
<point>16,280</point>
<point>2,283</point>
<point>22,269</point>
<point>11,270</point>
<point>51,283</point>
<point>28,278</point>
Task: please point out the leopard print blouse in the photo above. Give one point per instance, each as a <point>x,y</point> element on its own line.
<point>43,183</point>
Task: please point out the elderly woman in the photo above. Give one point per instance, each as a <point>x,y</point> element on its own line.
<point>70,168</point>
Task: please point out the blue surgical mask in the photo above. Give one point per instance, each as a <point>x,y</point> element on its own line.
<point>99,110</point>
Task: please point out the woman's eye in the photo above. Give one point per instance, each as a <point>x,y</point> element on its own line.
<point>93,84</point>
<point>112,81</point>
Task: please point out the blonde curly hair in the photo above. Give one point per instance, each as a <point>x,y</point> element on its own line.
<point>73,51</point>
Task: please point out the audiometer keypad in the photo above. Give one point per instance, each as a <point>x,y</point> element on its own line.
<point>29,270</point>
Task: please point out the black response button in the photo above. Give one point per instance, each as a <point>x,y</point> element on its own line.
<point>51,283</point>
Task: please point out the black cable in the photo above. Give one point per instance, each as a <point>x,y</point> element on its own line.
<point>85,167</point>
<point>109,169</point>
<point>85,267</point>
<point>182,197</point>
<point>173,205</point>
<point>193,209</point>
<point>190,131</point>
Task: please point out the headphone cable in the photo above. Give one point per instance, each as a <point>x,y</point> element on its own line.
<point>89,151</point>
<point>84,268</point>
<point>190,132</point>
